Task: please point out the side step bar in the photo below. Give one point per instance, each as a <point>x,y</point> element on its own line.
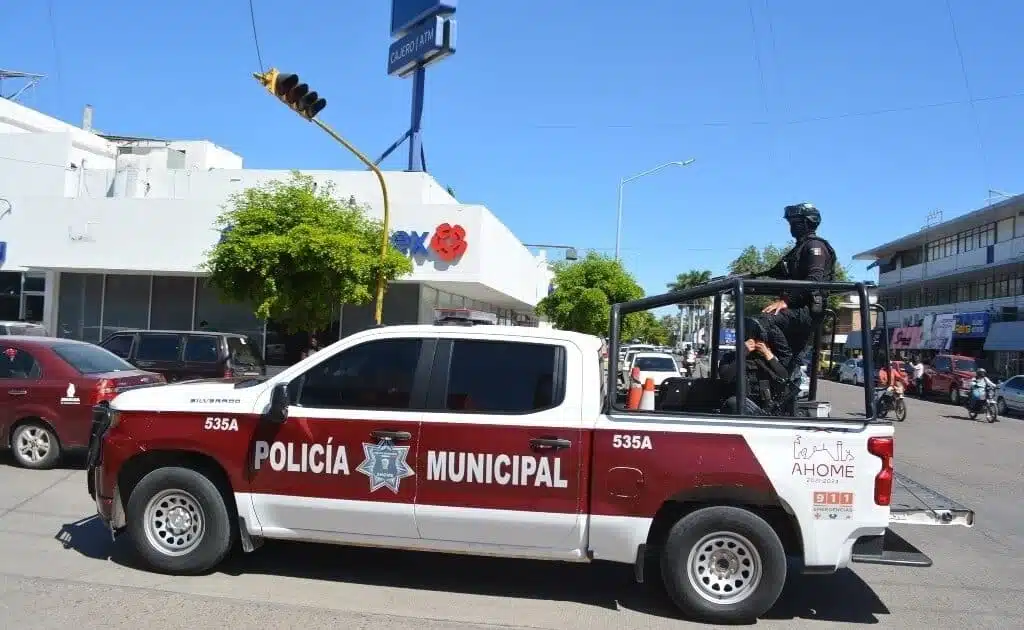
<point>889,549</point>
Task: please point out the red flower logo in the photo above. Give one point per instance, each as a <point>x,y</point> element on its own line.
<point>449,242</point>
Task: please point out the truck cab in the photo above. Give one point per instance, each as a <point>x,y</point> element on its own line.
<point>950,375</point>
<point>499,441</point>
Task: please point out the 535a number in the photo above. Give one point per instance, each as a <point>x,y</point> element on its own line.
<point>214,423</point>
<point>639,442</point>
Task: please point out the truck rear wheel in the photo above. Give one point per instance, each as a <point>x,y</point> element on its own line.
<point>723,565</point>
<point>179,522</point>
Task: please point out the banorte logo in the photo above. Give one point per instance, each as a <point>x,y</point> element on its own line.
<point>448,243</point>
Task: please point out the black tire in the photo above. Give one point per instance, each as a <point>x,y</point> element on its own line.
<point>215,537</point>
<point>901,410</point>
<point>35,430</point>
<point>1001,406</point>
<point>954,396</point>
<point>972,414</point>
<point>736,528</point>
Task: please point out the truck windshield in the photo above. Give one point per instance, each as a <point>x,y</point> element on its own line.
<point>243,354</point>
<point>655,364</point>
<point>965,365</point>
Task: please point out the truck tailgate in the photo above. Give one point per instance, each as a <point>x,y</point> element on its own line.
<point>915,504</point>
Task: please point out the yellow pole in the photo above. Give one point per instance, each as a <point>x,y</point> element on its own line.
<point>379,308</point>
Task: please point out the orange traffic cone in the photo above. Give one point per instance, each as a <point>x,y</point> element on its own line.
<point>635,392</point>
<point>647,398</point>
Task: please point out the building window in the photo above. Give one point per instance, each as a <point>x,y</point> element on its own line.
<point>172,303</point>
<point>215,313</point>
<point>79,306</point>
<point>125,303</point>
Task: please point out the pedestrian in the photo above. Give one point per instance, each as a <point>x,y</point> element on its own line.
<point>798,312</point>
<point>918,368</point>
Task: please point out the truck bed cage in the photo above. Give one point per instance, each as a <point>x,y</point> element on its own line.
<point>738,286</point>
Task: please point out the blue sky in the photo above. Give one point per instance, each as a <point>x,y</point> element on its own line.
<point>860,107</point>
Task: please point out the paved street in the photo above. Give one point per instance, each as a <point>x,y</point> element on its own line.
<point>61,570</point>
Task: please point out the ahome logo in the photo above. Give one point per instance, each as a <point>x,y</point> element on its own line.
<point>447,244</point>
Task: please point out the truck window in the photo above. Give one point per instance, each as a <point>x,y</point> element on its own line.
<point>372,375</point>
<point>941,364</point>
<point>121,345</point>
<point>243,353</point>
<point>479,379</point>
<point>202,349</point>
<point>159,347</point>
<point>656,364</point>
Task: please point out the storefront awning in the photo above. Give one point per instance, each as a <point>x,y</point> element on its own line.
<point>1005,336</point>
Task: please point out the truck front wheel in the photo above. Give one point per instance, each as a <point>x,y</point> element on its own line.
<point>179,522</point>
<point>723,565</point>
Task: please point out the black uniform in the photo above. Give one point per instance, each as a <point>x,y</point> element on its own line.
<point>766,384</point>
<point>789,330</point>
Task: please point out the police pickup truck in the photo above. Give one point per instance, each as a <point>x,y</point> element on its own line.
<point>496,441</point>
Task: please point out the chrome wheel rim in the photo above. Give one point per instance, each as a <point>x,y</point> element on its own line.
<point>724,568</point>
<point>33,444</point>
<point>174,522</point>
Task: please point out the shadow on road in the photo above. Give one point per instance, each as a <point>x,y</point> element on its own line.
<point>72,460</point>
<point>842,597</point>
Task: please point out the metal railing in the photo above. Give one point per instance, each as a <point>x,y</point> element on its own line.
<point>738,287</point>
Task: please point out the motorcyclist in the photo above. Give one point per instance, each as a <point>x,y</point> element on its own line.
<point>979,387</point>
<point>893,377</point>
<point>797,312</point>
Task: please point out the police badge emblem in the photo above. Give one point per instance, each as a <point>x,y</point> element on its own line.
<point>385,465</point>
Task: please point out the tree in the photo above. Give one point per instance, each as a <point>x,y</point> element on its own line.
<point>295,251</point>
<point>584,291</point>
<point>698,310</point>
<point>754,260</point>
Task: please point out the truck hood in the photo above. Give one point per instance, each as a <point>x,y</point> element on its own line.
<point>192,396</point>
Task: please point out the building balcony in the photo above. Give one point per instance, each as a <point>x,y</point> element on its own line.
<point>999,254</point>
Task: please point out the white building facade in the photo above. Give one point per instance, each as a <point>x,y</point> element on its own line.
<point>969,269</point>
<point>100,233</point>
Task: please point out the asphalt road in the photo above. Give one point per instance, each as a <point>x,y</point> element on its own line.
<point>59,568</point>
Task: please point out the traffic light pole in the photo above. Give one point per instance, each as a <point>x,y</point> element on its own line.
<point>378,314</point>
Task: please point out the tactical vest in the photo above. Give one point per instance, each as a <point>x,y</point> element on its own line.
<point>792,263</point>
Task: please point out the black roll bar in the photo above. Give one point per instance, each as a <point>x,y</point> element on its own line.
<point>737,285</point>
<point>812,370</point>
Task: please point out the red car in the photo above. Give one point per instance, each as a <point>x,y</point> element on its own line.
<point>949,376</point>
<point>49,388</point>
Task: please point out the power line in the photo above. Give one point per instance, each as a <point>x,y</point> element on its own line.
<point>970,94</point>
<point>53,42</point>
<point>794,121</point>
<point>255,37</point>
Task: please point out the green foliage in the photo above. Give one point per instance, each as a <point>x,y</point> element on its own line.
<point>690,279</point>
<point>754,260</point>
<point>670,324</point>
<point>584,291</point>
<point>295,252</point>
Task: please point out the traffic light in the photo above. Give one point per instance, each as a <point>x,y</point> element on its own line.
<point>290,91</point>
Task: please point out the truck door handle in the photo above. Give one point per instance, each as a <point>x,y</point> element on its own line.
<point>552,443</point>
<point>397,436</point>
<point>17,392</point>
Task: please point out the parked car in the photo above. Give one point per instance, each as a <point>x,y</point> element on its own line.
<point>22,328</point>
<point>1010,395</point>
<point>852,371</point>
<point>949,375</point>
<point>51,387</point>
<point>188,355</point>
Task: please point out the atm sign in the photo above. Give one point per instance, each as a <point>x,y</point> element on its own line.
<point>448,243</point>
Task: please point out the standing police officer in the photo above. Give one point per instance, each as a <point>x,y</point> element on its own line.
<point>798,312</point>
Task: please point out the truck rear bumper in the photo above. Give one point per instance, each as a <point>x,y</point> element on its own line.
<point>890,549</point>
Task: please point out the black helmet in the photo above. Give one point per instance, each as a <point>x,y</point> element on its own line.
<point>805,211</point>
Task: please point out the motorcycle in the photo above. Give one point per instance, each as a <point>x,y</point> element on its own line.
<point>891,399</point>
<point>988,404</point>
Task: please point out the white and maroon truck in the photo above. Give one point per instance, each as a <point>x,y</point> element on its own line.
<point>500,441</point>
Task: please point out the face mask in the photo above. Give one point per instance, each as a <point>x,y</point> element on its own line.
<point>798,228</point>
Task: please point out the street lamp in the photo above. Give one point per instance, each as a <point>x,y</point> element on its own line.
<point>626,180</point>
<point>570,252</point>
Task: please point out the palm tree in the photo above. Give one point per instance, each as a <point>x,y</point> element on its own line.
<point>698,308</point>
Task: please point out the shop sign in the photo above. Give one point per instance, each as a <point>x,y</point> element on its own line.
<point>907,338</point>
<point>971,325</point>
<point>447,243</point>
<point>727,336</point>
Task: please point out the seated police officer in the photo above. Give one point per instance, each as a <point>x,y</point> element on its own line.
<point>798,312</point>
<point>767,378</point>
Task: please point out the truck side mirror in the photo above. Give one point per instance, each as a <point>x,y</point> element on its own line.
<point>277,413</point>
